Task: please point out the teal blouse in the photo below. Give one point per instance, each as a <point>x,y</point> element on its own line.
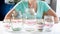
<point>42,7</point>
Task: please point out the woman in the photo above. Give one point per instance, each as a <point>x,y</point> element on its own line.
<point>39,7</point>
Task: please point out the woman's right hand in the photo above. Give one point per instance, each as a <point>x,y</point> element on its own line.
<point>9,14</point>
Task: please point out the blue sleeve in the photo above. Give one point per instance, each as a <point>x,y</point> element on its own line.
<point>19,7</point>
<point>46,7</point>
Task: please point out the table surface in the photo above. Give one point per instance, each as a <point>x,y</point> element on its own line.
<point>55,30</point>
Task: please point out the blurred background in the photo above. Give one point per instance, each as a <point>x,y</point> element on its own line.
<point>6,5</point>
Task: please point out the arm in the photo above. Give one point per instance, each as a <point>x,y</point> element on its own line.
<point>9,14</point>
<point>52,13</point>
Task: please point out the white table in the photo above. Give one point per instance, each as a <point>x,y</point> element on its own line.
<point>55,30</point>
